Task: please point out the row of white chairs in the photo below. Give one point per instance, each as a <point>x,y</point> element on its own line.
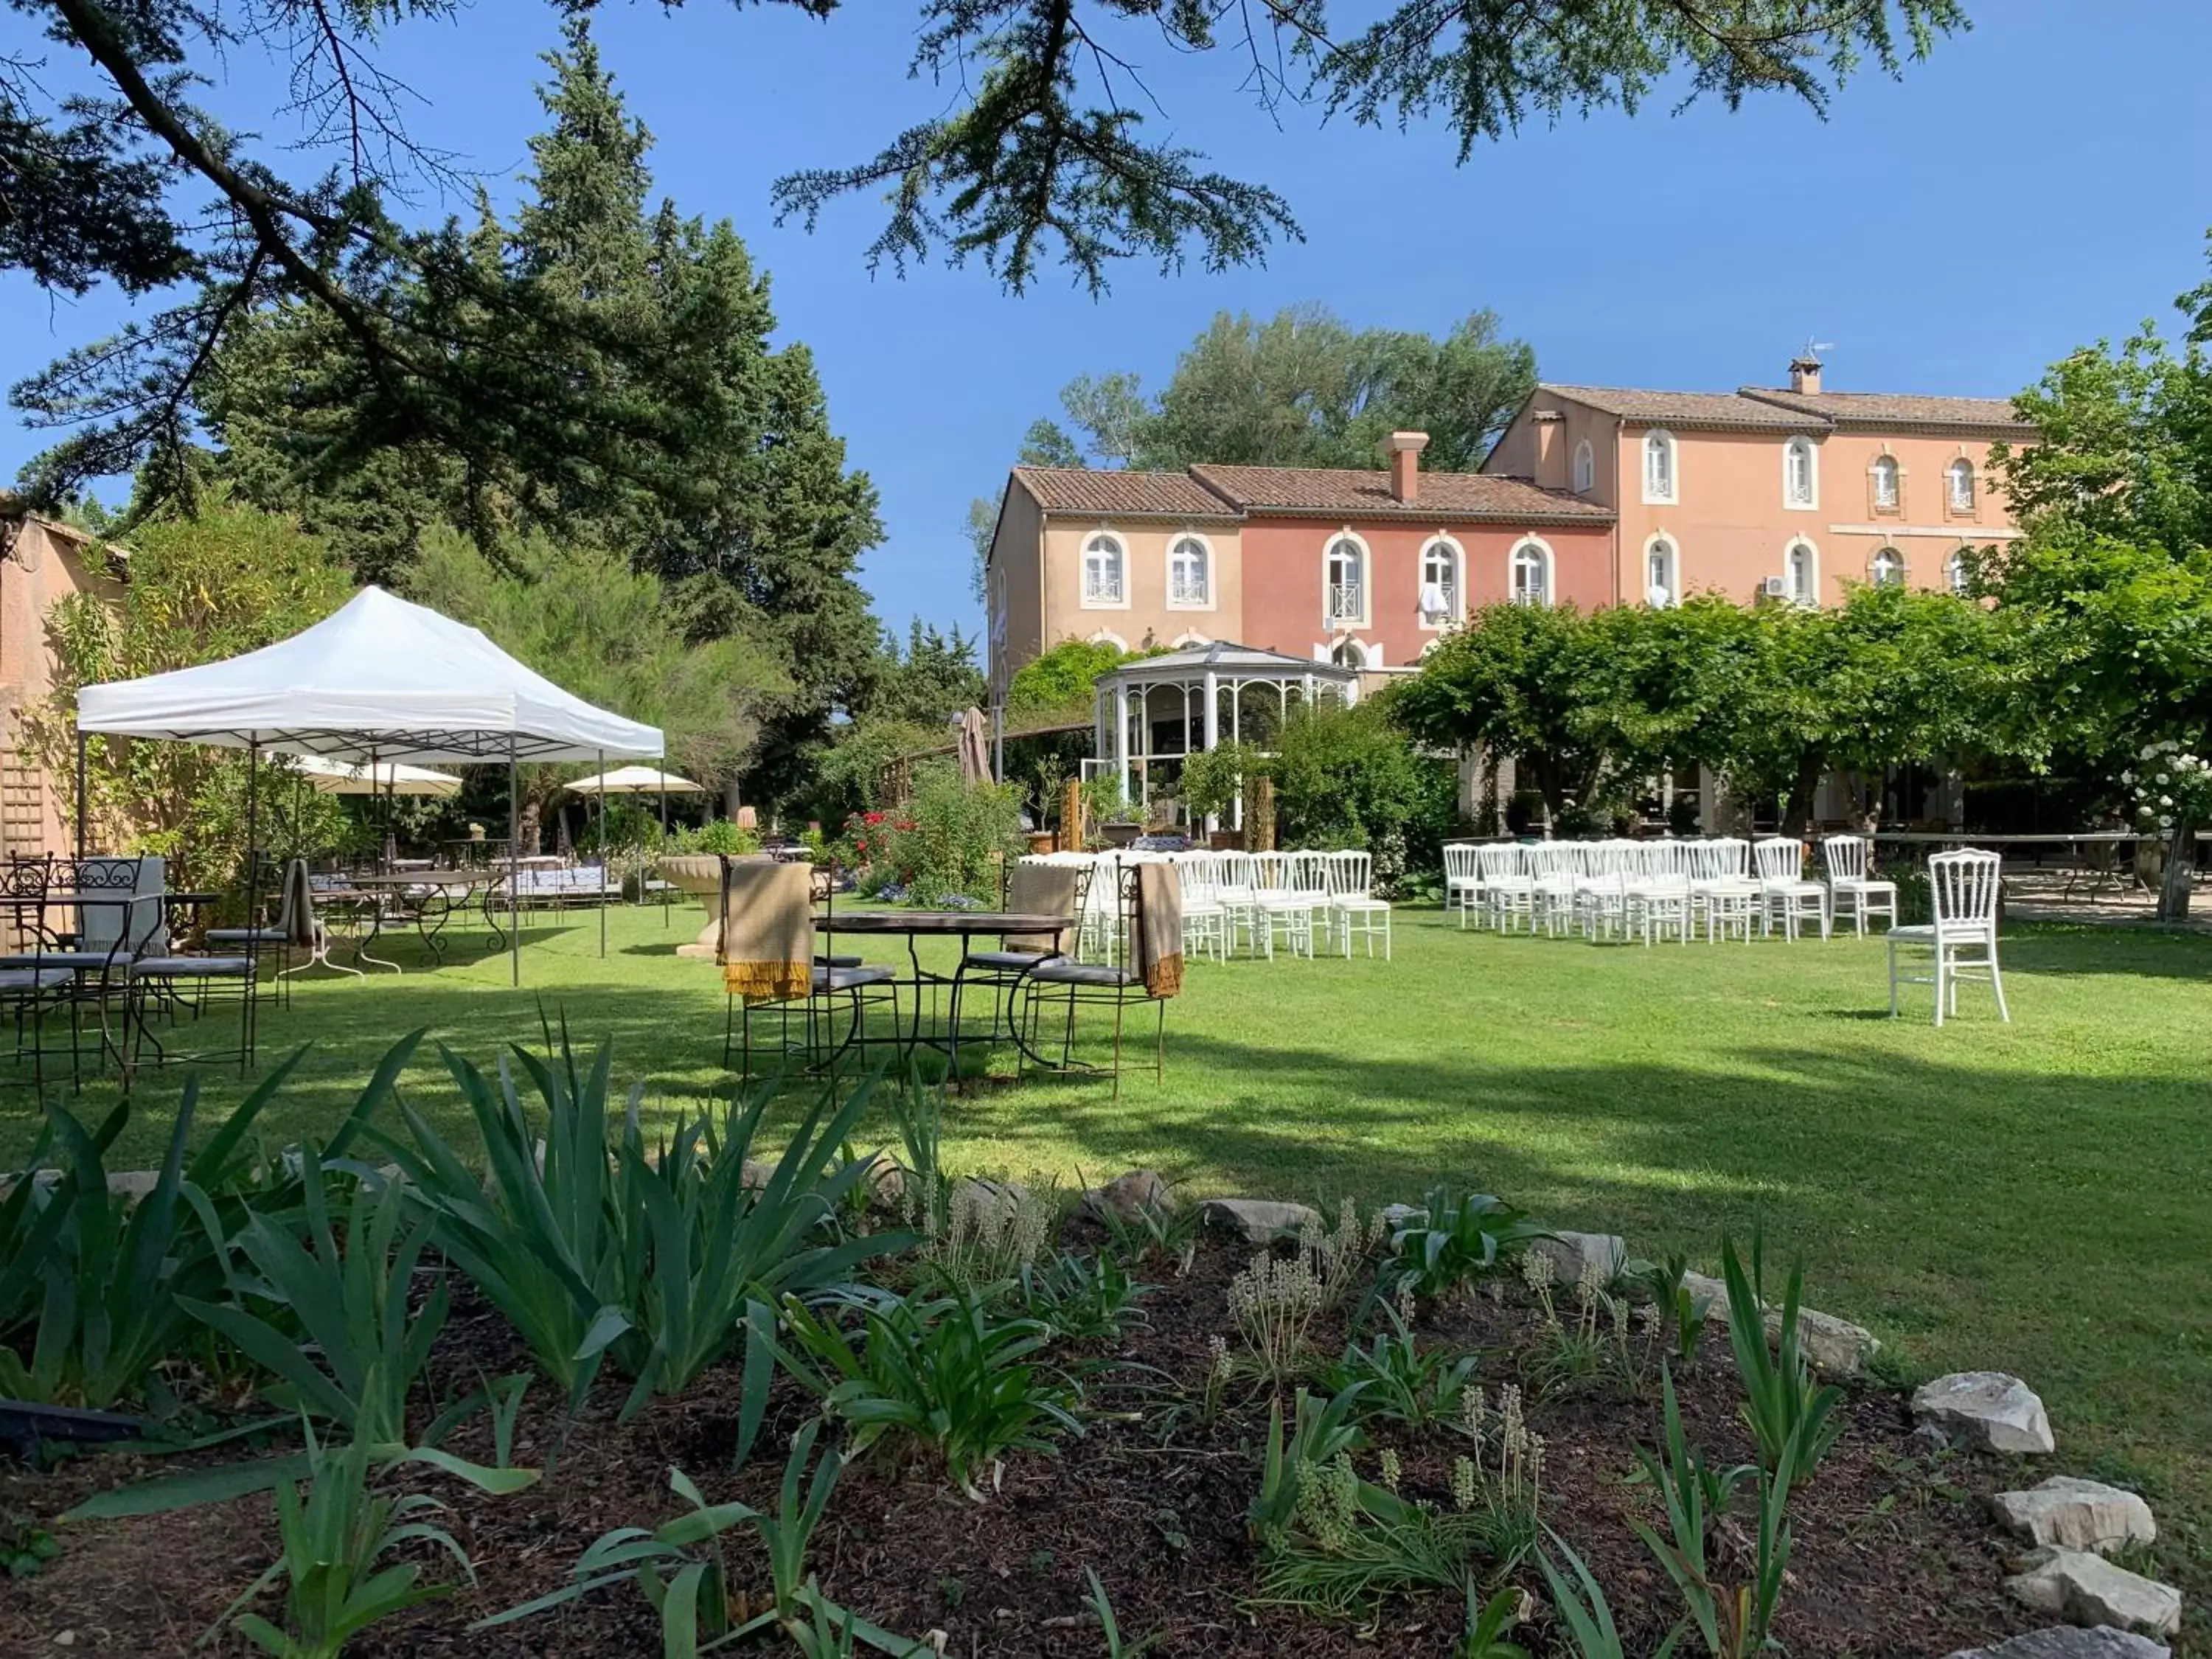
<point>1665,888</point>
<point>1259,902</point>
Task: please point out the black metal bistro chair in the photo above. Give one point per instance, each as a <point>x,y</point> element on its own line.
<point>773,903</point>
<point>40,981</point>
<point>1144,964</point>
<point>1033,889</point>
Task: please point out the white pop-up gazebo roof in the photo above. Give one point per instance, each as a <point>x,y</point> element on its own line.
<point>379,679</point>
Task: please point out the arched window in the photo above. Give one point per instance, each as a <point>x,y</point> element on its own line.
<point>1800,570</point>
<point>1107,636</point>
<point>1532,573</point>
<point>1958,485</point>
<point>1190,575</point>
<point>1440,583</point>
<point>1658,466</point>
<point>1888,483</point>
<point>1800,480</point>
<point>1105,569</point>
<point>1349,653</point>
<point>1887,569</point>
<point>1585,467</point>
<point>1661,573</point>
<point>1957,575</point>
<point>1344,580</point>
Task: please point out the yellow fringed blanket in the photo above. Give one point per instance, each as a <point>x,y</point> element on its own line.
<point>767,930</point>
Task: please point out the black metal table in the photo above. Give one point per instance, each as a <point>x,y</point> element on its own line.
<point>915,926</point>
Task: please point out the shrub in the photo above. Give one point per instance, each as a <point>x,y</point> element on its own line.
<point>950,840</point>
<point>715,835</point>
<point>1062,678</point>
<point>1453,1240</point>
<point>1350,777</point>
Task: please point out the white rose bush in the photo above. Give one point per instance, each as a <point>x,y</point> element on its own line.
<point>2173,788</point>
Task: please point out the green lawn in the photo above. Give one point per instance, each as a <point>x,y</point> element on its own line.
<point>2036,1197</point>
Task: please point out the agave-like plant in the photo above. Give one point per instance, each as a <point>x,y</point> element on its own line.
<point>90,1279</point>
<point>663,1260</point>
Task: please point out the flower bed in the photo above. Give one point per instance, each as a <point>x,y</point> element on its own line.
<point>1312,1442</point>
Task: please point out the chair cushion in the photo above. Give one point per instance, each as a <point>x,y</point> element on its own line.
<point>852,979</point>
<point>1009,962</point>
<point>189,967</point>
<point>831,959</point>
<point>246,935</point>
<point>69,961</point>
<point>1063,972</point>
<point>29,979</point>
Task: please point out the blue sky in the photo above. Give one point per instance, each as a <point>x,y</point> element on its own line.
<point>2039,182</point>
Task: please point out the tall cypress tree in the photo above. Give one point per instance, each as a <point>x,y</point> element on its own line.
<point>760,525</point>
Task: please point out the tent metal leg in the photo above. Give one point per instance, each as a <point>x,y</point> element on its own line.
<point>514,868</point>
<point>604,865</point>
<point>81,826</point>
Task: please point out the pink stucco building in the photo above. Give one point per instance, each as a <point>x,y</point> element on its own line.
<point>1783,491</point>
<point>41,562</point>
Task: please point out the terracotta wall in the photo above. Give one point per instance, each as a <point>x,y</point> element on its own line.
<point>1283,562</point>
<point>1013,588</point>
<point>46,562</point>
<point>1146,613</point>
<point>1732,526</point>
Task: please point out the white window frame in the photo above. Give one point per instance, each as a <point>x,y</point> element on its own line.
<point>1951,502</point>
<point>1585,473</point>
<point>1455,589</point>
<point>1895,468</point>
<point>1330,622</point>
<point>1875,577</point>
<point>1812,595</point>
<point>1107,636</point>
<point>1349,643</point>
<point>1542,550</point>
<point>1083,575</point>
<point>1189,641</point>
<point>1811,452</point>
<point>1673,584</point>
<point>1955,573</point>
<point>1665,440</point>
<point>1205,554</point>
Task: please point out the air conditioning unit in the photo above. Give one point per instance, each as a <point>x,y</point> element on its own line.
<point>1773,587</point>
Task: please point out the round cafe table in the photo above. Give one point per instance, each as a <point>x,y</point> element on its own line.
<point>915,926</point>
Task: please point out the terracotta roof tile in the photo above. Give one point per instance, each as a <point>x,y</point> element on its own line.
<point>1367,495</point>
<point>1082,489</point>
<point>1689,409</point>
<point>1878,408</point>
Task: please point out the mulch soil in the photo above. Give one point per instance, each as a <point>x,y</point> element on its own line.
<point>1894,1556</point>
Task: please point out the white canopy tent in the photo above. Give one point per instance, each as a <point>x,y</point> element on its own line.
<point>378,680</point>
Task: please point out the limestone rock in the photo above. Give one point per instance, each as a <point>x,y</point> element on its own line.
<point>1832,1345</point>
<point>2071,1642</point>
<point>1259,1220</point>
<point>2087,1590</point>
<point>2076,1514</point>
<point>1988,1411</point>
<point>755,1175</point>
<point>1570,1253</point>
<point>1130,1195</point>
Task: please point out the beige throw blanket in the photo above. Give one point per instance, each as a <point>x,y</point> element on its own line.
<point>1042,890</point>
<point>1160,930</point>
<point>298,906</point>
<point>767,930</point>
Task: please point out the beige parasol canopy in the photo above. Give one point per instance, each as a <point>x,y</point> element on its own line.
<point>385,778</point>
<point>638,781</point>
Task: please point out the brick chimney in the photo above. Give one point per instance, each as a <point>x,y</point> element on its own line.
<point>1406,449</point>
<point>1805,375</point>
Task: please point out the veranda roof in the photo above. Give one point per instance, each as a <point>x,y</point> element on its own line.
<point>378,679</point>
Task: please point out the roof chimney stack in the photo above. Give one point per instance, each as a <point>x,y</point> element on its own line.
<point>1406,449</point>
<point>1805,375</point>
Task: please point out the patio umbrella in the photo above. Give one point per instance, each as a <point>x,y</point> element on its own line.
<point>336,778</point>
<point>974,748</point>
<point>638,781</point>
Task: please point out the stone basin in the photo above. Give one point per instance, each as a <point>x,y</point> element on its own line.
<point>701,874</point>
